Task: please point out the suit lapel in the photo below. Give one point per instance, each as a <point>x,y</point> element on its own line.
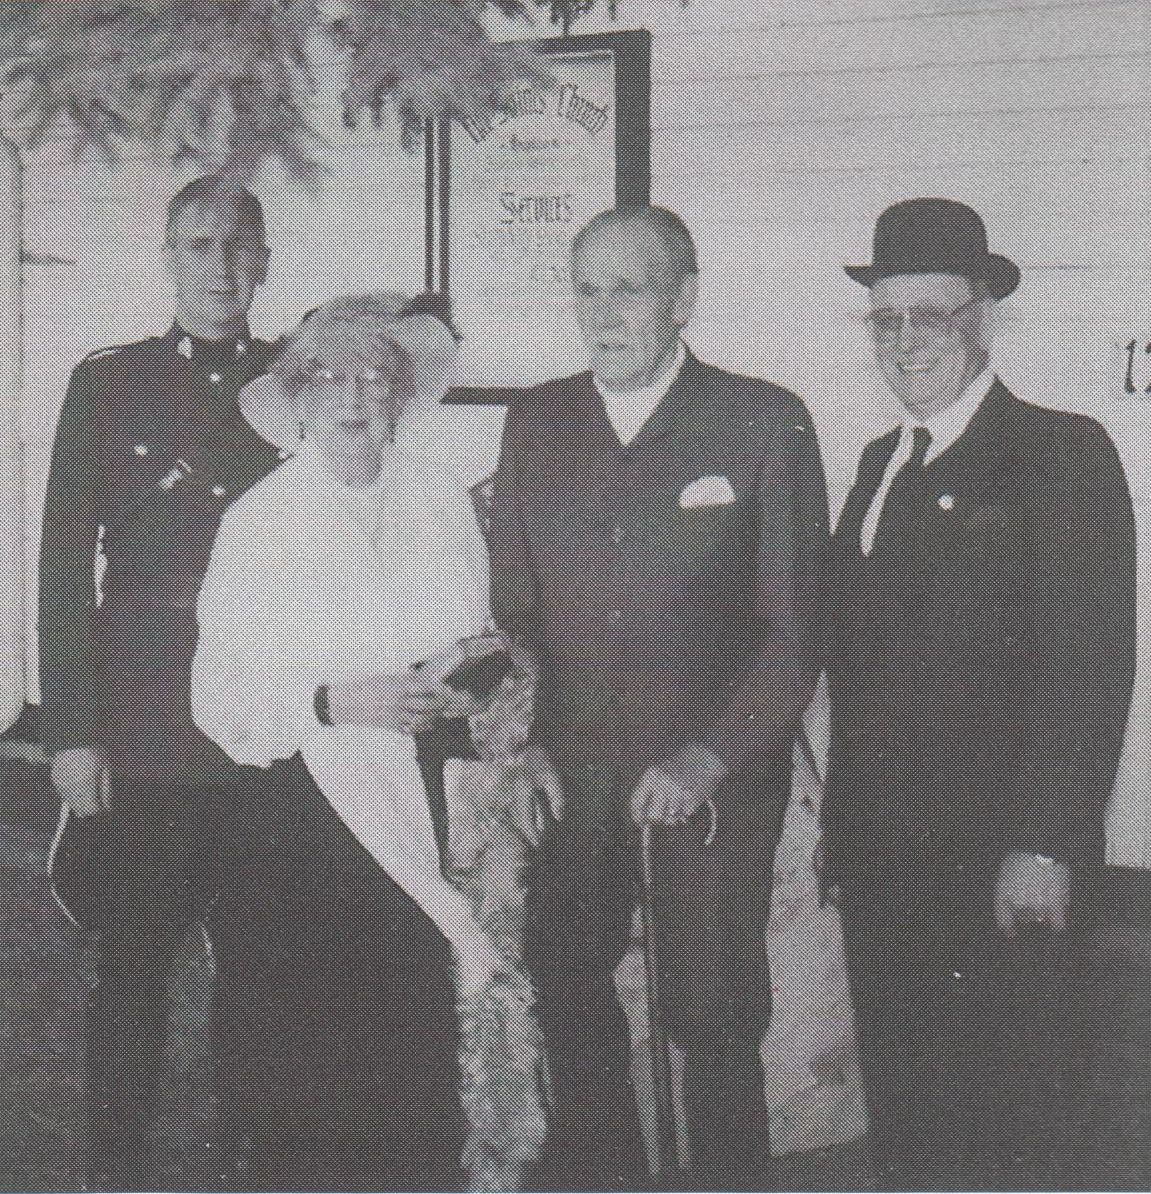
<point>682,399</point>
<point>872,465</point>
<point>981,450</point>
<point>964,468</point>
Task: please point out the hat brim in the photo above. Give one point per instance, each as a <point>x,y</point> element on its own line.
<point>426,350</point>
<point>1000,273</point>
<point>424,341</point>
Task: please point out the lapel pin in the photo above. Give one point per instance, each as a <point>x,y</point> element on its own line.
<point>946,501</point>
<point>141,449</point>
<point>184,348</point>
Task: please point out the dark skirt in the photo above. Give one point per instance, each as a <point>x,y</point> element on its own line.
<point>337,1005</point>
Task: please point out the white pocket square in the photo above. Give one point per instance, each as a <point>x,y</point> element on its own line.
<point>706,491</point>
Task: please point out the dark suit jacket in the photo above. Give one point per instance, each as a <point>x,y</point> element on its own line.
<point>981,667</point>
<point>658,624</point>
<point>115,658</point>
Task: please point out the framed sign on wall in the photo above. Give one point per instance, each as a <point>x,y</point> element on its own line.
<point>506,196</point>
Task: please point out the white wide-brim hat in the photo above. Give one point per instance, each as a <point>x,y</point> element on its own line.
<point>424,345</point>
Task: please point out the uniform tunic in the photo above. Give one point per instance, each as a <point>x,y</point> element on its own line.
<point>150,449</point>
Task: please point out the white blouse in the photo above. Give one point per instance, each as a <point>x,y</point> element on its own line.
<point>312,582</point>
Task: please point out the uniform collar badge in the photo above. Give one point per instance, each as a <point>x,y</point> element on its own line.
<point>184,347</point>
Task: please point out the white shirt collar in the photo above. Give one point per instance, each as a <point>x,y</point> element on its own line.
<point>945,427</point>
<point>948,425</point>
<point>629,412</point>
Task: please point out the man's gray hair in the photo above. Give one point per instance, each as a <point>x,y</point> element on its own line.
<point>673,234</point>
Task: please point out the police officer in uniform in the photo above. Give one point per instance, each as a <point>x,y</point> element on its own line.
<point>150,448</point>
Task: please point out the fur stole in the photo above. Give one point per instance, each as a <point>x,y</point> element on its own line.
<point>503,1070</point>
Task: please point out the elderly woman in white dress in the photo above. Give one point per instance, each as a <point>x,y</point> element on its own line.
<point>345,594</point>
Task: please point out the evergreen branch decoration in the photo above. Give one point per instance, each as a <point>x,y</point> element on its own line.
<point>226,83</point>
<point>432,61</point>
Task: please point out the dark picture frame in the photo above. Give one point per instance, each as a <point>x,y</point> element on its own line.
<point>629,52</point>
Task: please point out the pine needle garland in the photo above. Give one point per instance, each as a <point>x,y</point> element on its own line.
<point>433,61</point>
<point>226,83</point>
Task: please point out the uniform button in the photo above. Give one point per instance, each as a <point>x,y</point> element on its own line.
<point>214,378</point>
<point>141,449</point>
<point>617,615</point>
<point>218,490</point>
<point>617,535</point>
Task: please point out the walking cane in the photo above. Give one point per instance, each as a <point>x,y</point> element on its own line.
<point>667,1144</point>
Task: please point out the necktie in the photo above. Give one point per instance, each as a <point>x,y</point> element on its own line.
<point>898,507</point>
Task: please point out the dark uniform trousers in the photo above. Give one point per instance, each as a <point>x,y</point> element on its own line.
<point>712,902</point>
<point>141,876</point>
<point>150,449</point>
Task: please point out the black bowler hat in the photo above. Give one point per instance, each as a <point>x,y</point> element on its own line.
<point>935,236</point>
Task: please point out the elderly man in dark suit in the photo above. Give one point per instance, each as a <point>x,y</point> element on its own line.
<point>982,589</point>
<point>658,528</point>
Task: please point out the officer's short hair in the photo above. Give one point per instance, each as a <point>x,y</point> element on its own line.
<point>674,235</point>
<point>214,190</point>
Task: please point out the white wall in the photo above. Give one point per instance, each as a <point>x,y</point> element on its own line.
<point>779,135</point>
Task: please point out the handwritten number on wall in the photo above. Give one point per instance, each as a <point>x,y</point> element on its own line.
<point>1137,351</point>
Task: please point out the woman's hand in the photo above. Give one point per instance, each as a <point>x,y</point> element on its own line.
<point>460,654</point>
<point>411,701</point>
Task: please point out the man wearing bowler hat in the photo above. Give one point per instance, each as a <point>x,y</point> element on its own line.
<point>981,657</point>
